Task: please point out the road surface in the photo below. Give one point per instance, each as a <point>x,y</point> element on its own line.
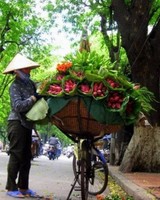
<point>49,178</point>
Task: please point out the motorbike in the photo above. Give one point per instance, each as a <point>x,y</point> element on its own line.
<point>53,152</point>
<point>70,151</point>
<point>106,153</point>
<point>69,154</point>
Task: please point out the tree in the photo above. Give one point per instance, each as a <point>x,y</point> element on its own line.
<point>23,29</point>
<point>143,54</point>
<point>130,20</point>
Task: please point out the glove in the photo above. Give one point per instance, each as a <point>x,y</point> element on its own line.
<point>37,96</point>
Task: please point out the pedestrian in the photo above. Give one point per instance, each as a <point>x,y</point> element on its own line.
<point>53,141</point>
<point>35,144</point>
<point>41,147</point>
<point>22,97</point>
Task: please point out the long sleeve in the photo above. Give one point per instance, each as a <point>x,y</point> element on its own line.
<point>21,101</point>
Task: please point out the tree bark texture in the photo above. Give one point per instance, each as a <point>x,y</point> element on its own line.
<point>143,151</point>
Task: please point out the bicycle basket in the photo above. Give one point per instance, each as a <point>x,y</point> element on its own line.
<point>75,119</point>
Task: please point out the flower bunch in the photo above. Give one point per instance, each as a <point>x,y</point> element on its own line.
<point>55,89</point>
<point>99,90</point>
<point>85,87</point>
<point>69,86</point>
<point>112,83</point>
<point>115,100</point>
<point>63,67</point>
<point>87,74</point>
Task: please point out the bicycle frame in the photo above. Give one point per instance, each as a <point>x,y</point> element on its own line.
<point>80,154</point>
<point>94,151</point>
<point>98,153</point>
<point>85,151</point>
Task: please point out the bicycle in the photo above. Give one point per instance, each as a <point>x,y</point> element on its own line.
<point>76,122</point>
<point>90,168</point>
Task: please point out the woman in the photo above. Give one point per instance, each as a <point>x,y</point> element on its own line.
<point>22,96</point>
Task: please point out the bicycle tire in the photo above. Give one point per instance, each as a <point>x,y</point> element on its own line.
<point>99,178</point>
<point>84,180</point>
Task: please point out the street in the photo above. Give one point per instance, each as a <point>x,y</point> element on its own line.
<point>49,178</point>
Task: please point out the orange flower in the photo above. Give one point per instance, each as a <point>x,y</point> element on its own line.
<point>63,67</point>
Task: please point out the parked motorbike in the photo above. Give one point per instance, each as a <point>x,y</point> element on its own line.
<point>70,151</point>
<point>106,153</point>
<point>69,154</point>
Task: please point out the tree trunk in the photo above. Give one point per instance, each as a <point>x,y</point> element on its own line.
<point>143,151</point>
<point>142,49</point>
<point>119,143</point>
<point>112,150</point>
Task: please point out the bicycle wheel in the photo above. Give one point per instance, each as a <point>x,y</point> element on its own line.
<point>84,179</point>
<point>99,178</point>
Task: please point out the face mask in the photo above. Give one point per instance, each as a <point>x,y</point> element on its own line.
<point>23,76</point>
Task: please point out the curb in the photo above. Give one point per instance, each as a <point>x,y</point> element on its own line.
<point>128,186</point>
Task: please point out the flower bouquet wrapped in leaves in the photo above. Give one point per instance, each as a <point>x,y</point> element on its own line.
<point>69,85</point>
<point>55,89</point>
<point>85,88</point>
<point>99,90</point>
<point>116,101</point>
<point>87,74</point>
<point>87,96</point>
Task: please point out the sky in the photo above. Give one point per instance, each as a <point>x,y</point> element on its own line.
<point>59,39</point>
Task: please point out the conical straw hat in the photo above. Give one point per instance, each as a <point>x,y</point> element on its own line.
<point>20,62</point>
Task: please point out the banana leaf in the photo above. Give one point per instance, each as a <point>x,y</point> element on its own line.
<point>99,112</point>
<point>38,111</point>
<point>56,104</point>
<point>131,113</point>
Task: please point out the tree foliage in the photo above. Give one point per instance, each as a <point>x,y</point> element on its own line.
<point>129,25</point>
<point>23,29</point>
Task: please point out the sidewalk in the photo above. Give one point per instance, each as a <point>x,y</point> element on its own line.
<point>141,186</point>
